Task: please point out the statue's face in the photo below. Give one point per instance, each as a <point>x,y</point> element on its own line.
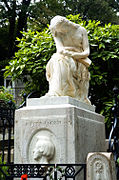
<point>38,151</point>
<point>43,149</point>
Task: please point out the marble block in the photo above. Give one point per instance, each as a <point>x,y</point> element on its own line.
<point>62,100</point>
<point>57,133</point>
<point>101,166</point>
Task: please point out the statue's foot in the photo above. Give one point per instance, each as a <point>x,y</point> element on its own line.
<point>87,101</point>
<point>51,94</point>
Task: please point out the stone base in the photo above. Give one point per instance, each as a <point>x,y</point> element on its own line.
<point>62,100</point>
<point>72,126</point>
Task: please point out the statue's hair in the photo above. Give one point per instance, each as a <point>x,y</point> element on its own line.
<point>57,20</point>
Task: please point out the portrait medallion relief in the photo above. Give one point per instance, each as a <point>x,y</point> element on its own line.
<point>41,148</point>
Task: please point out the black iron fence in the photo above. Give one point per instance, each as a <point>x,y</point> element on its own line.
<point>6,130</point>
<point>44,171</point>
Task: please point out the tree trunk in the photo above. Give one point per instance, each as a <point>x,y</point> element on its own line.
<point>22,20</point>
<point>11,36</point>
<point>12,19</point>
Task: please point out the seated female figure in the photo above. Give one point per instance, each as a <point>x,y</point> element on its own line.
<point>67,70</point>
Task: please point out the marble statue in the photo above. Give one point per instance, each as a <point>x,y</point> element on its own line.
<point>44,150</point>
<point>67,70</point>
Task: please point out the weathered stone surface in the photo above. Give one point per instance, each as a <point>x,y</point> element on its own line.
<point>61,100</point>
<point>74,132</point>
<point>100,166</point>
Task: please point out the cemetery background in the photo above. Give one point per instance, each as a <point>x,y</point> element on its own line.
<point>98,78</point>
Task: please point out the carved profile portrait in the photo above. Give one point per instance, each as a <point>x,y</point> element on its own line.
<point>44,150</point>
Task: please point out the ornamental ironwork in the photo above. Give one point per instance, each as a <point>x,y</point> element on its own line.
<point>44,171</point>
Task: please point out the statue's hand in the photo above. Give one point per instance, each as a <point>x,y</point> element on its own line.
<point>76,55</point>
<point>67,53</point>
<point>72,49</point>
<point>64,52</point>
<point>61,50</point>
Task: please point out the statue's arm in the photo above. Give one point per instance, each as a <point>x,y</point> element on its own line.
<point>75,52</point>
<point>72,51</point>
<point>59,44</point>
<point>82,57</point>
<point>62,49</point>
<point>85,47</point>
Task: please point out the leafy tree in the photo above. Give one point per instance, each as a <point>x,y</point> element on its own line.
<point>114,4</point>
<point>101,10</point>
<point>13,13</point>
<point>31,59</point>
<point>36,48</point>
<point>40,13</point>
<point>6,98</point>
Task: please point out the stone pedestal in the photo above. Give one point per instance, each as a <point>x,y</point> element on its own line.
<point>65,128</point>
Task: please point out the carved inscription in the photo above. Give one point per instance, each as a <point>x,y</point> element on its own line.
<point>46,122</point>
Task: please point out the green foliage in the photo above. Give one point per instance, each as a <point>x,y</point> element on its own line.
<point>4,169</point>
<point>6,97</point>
<point>40,13</point>
<point>97,10</point>
<point>36,48</point>
<point>104,43</point>
<point>118,161</point>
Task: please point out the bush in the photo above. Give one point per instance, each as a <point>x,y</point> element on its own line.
<point>4,169</point>
<point>6,99</point>
<point>35,49</point>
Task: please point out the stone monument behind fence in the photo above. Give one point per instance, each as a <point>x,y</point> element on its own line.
<point>101,166</point>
